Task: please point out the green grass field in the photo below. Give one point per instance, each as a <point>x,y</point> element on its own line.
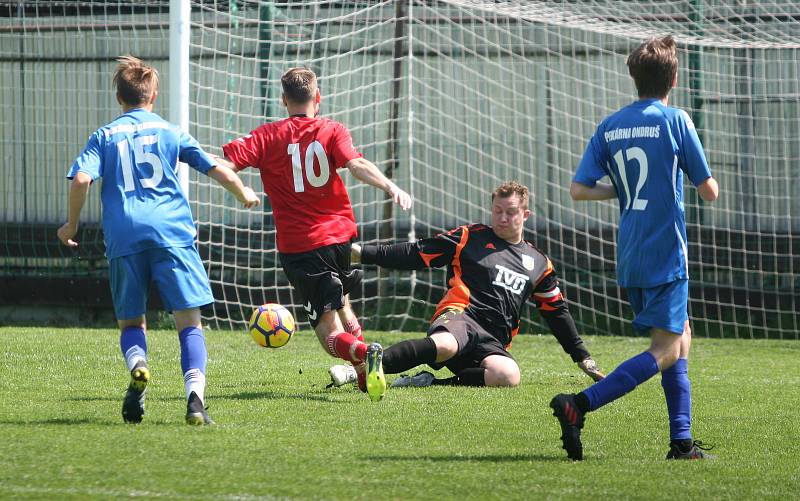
<point>282,434</point>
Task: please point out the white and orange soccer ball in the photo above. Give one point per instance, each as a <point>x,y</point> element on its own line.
<point>271,325</point>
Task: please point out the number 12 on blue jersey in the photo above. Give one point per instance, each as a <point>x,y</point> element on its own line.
<point>633,154</point>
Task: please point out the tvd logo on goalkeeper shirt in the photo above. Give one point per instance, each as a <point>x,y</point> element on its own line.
<point>510,279</point>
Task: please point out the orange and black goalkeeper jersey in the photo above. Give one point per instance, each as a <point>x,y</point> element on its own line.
<point>489,279</point>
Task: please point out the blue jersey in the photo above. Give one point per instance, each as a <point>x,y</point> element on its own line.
<point>144,206</point>
<point>644,149</point>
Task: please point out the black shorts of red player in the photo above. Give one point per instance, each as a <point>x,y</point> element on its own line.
<point>322,277</point>
<point>474,342</point>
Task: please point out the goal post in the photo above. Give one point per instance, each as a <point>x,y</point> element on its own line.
<point>179,39</point>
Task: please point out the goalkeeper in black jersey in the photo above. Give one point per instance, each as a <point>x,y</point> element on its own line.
<point>491,273</point>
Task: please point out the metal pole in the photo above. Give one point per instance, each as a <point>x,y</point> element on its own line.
<point>696,88</point>
<point>265,17</point>
<point>412,233</point>
<point>21,117</point>
<point>394,114</point>
<point>179,17</point>
<point>412,220</point>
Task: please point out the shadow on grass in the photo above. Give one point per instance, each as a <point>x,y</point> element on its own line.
<point>150,398</point>
<point>319,395</point>
<point>493,458</point>
<point>80,421</point>
<point>276,395</point>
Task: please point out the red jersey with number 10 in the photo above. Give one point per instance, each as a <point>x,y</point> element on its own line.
<point>298,158</point>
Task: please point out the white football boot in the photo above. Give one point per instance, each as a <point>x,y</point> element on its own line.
<point>342,375</point>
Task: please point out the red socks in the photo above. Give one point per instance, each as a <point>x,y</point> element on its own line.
<point>354,328</point>
<point>346,346</point>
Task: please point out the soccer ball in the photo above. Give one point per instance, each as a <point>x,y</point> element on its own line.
<point>271,325</point>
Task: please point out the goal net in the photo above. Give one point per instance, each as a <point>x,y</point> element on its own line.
<point>453,98</point>
<point>450,99</point>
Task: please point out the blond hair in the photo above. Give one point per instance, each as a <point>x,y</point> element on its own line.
<point>134,80</point>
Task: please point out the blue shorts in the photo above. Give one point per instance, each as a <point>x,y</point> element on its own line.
<point>662,307</point>
<point>178,273</point>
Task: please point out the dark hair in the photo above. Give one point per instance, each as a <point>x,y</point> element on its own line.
<point>299,85</point>
<point>134,80</point>
<point>509,188</point>
<point>653,66</point>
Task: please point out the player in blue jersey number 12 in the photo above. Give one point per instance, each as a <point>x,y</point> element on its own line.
<point>645,148</point>
<point>149,230</point>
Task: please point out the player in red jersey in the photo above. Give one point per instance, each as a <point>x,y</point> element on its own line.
<point>298,158</point>
<point>491,273</point>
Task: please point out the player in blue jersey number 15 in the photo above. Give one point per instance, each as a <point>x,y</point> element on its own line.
<point>644,149</point>
<point>149,230</point>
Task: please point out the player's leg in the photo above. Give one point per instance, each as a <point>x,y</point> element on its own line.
<point>447,336</point>
<point>350,279</point>
<point>678,394</point>
<point>648,305</point>
<point>571,409</point>
<point>194,362</point>
<point>316,275</point>
<point>670,345</point>
<point>345,374</point>
<point>129,277</point>
<point>342,374</point>
<point>454,341</point>
<point>344,345</point>
<point>499,367</point>
<point>439,347</point>
<point>349,319</point>
<point>183,285</point>
<point>500,371</point>
<point>133,344</point>
<point>332,336</point>
<point>485,363</point>
<point>494,370</point>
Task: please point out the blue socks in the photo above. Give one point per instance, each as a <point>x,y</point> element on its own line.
<point>630,374</point>
<point>678,392</point>
<point>193,361</point>
<point>637,370</point>
<point>194,356</point>
<point>193,349</point>
<point>133,344</point>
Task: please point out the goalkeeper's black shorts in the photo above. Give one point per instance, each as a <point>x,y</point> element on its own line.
<point>474,341</point>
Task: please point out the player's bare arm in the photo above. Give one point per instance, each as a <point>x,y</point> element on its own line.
<point>366,172</point>
<point>78,191</point>
<point>708,190</point>
<point>231,182</point>
<point>599,191</point>
<point>223,161</point>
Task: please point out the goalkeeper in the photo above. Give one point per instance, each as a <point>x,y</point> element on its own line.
<point>491,273</point>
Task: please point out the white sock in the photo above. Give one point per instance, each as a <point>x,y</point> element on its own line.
<point>134,354</point>
<point>195,381</point>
